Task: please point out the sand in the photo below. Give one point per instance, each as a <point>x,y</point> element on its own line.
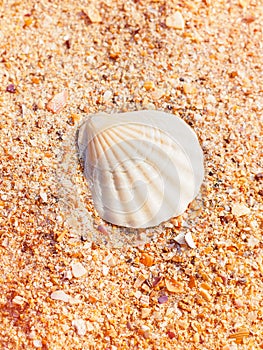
<point>68,279</point>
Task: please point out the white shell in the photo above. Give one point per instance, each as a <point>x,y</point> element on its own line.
<point>143,167</point>
<point>189,240</point>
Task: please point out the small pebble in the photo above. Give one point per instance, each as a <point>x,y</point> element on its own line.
<point>18,300</point>
<point>94,15</point>
<point>78,270</point>
<point>156,281</point>
<point>259,176</point>
<point>137,294</point>
<point>147,259</point>
<point>90,327</point>
<point>5,242</point>
<point>197,116</point>
<point>58,102</point>
<point>171,335</point>
<point>196,338</point>
<point>146,312</point>
<point>239,303</point>
<point>32,334</point>
<point>204,293</point>
<point>28,21</point>
<point>11,88</point>
<point>189,89</point>
<point>43,196</point>
<point>139,281</point>
<point>68,275</point>
<point>40,104</point>
<point>105,270</point>
<point>80,326</point>
<point>175,21</point>
<point>37,343</point>
<point>252,241</point>
<point>60,295</point>
<point>107,95</point>
<point>163,299</point>
<point>211,99</point>
<point>148,85</point>
<point>145,300</point>
<point>110,260</point>
<point>103,229</point>
<point>239,209</point>
<point>157,94</point>
<point>252,315</point>
<point>244,3</point>
<point>173,286</point>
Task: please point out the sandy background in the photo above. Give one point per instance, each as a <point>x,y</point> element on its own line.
<point>116,56</point>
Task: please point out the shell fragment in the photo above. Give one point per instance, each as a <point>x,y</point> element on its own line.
<point>189,240</point>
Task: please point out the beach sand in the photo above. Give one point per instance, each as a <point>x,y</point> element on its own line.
<point>69,280</point>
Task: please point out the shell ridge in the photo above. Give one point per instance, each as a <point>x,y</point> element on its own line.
<point>169,178</point>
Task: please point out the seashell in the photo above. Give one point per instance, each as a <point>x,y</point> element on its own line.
<point>143,167</point>
<point>58,102</point>
<point>189,240</point>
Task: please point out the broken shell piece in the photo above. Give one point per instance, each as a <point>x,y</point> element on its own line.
<point>244,3</point>
<point>240,334</point>
<point>252,241</point>
<point>43,196</point>
<point>163,299</point>
<point>94,15</point>
<point>189,240</point>
<point>147,259</point>
<point>204,293</point>
<point>58,102</point>
<point>173,286</point>
<point>240,209</point>
<point>60,295</point>
<point>145,299</point>
<point>180,238</point>
<point>139,281</point>
<point>78,270</point>
<point>143,167</point>
<point>19,300</point>
<point>146,312</point>
<point>175,21</point>
<point>80,326</point>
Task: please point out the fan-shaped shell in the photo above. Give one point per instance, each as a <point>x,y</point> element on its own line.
<point>143,167</point>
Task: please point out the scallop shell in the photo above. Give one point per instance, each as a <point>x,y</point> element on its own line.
<point>143,167</point>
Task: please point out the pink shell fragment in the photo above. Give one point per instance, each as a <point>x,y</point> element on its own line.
<point>58,102</point>
<point>162,299</point>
